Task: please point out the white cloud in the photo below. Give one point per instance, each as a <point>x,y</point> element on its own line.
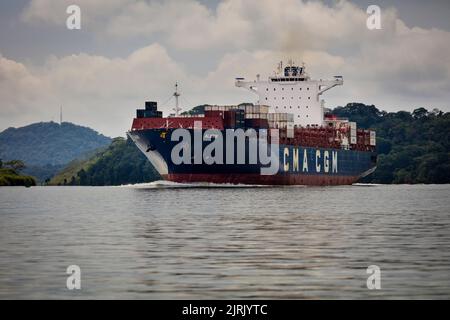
<point>94,90</point>
<point>18,90</point>
<point>396,67</point>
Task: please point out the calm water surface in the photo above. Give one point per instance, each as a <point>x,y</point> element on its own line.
<point>162,242</point>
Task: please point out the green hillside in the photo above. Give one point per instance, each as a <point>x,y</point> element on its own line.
<point>413,147</point>
<point>120,163</point>
<point>47,147</point>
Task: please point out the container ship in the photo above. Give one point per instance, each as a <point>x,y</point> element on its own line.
<point>283,139</point>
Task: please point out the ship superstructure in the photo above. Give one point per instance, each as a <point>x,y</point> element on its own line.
<point>291,90</point>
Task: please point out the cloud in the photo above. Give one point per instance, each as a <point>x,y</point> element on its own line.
<point>396,67</point>
<point>94,90</point>
<point>18,89</point>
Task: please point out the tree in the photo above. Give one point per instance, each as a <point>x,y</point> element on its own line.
<point>16,165</point>
<point>83,177</point>
<point>419,113</point>
<point>1,163</point>
<point>413,147</point>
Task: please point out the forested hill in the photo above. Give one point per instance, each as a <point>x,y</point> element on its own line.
<point>120,163</point>
<point>413,147</point>
<point>48,146</point>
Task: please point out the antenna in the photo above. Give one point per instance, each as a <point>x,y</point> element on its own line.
<point>176,94</point>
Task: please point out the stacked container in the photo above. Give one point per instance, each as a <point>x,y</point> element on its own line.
<point>373,138</point>
<point>150,111</point>
<point>353,133</point>
<point>280,120</point>
<point>254,109</point>
<point>234,118</point>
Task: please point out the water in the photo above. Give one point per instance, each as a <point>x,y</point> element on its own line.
<point>163,241</point>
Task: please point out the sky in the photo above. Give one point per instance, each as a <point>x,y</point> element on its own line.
<point>130,51</point>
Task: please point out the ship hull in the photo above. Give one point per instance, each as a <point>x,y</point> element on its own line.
<point>296,165</point>
<point>257,179</point>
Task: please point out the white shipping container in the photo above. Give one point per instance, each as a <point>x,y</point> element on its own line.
<point>280,116</point>
<point>281,124</point>
<point>256,116</point>
<point>290,133</point>
<point>352,132</point>
<point>373,138</point>
<point>263,109</point>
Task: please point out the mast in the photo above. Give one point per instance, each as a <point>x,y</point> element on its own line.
<point>60,115</point>
<point>176,94</point>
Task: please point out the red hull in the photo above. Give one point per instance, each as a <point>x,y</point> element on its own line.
<point>257,179</point>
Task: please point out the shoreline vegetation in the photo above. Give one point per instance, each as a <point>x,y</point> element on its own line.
<point>10,174</point>
<point>48,147</point>
<point>119,164</point>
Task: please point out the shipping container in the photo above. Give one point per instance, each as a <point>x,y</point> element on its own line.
<point>290,130</point>
<point>151,105</point>
<point>373,140</point>
<point>214,113</point>
<point>140,113</point>
<point>255,115</point>
<point>256,123</point>
<point>281,116</point>
<point>353,133</point>
<point>150,114</point>
<point>229,119</point>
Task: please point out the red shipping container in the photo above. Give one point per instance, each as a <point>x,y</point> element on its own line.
<point>214,113</point>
